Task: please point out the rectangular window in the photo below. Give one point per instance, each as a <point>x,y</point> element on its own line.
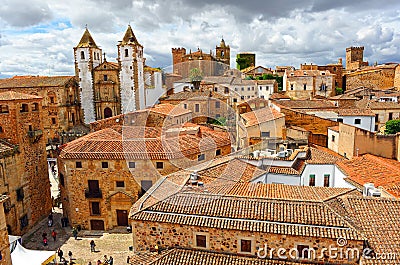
<point>53,121</point>
<point>145,185</point>
<point>201,241</point>
<point>160,165</point>
<point>105,77</point>
<point>326,180</point>
<point>226,90</point>
<point>23,221</point>
<point>95,208</point>
<point>185,106</point>
<point>376,117</point>
<point>312,180</point>
<point>248,89</point>
<point>242,88</point>
<point>131,164</point>
<point>242,97</point>
<point>291,86</point>
<point>200,157</point>
<point>333,138</point>
<point>302,251</point>
<point>217,104</point>
<point>78,164</point>
<point>265,134</point>
<point>104,164</point>
<point>120,184</point>
<point>245,245</point>
<point>196,107</point>
<point>305,87</point>
<point>390,116</point>
<point>340,120</point>
<point>235,100</point>
<point>218,152</point>
<point>357,121</point>
<point>20,194</point>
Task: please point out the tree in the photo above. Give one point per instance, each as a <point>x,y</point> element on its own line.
<point>339,90</point>
<point>195,76</point>
<point>392,127</point>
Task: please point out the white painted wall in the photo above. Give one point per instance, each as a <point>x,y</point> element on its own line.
<point>265,91</point>
<point>127,82</point>
<point>333,143</point>
<point>319,171</point>
<point>156,91</point>
<point>367,122</point>
<point>86,80</point>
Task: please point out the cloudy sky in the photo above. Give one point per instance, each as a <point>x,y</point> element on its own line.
<point>37,36</point>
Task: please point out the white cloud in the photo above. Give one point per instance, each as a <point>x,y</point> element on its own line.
<point>279,32</point>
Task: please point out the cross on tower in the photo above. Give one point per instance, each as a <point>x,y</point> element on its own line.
<point>104,56</point>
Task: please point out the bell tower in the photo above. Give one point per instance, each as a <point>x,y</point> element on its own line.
<point>223,53</point>
<point>87,56</point>
<point>131,64</point>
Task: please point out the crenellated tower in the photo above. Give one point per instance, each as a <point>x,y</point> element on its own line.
<point>131,64</point>
<point>87,56</point>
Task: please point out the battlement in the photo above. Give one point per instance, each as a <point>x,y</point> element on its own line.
<point>357,48</point>
<point>179,50</point>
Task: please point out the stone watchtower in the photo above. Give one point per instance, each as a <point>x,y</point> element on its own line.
<point>355,58</point>
<point>223,53</point>
<point>131,76</point>
<point>87,56</point>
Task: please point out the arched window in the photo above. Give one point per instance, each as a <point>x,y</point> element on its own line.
<point>82,55</point>
<point>24,108</point>
<point>107,113</point>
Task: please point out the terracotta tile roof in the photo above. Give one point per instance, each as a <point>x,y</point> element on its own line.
<point>12,95</point>
<point>7,148</point>
<point>260,116</point>
<point>287,192</point>
<point>195,95</point>
<point>307,104</point>
<point>298,73</point>
<point>197,257</point>
<point>249,214</point>
<point>334,128</point>
<point>118,143</point>
<point>322,155</point>
<point>279,96</point>
<point>378,219</point>
<point>169,109</point>
<point>354,112</point>
<point>373,169</point>
<point>35,81</point>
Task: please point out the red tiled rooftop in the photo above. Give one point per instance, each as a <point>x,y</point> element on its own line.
<point>260,116</point>
<point>12,95</point>
<point>34,81</point>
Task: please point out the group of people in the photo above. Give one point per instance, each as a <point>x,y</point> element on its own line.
<point>60,254</point>
<point>44,237</point>
<point>109,261</point>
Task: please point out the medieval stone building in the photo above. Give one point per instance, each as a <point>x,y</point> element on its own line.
<point>23,165</point>
<point>207,63</point>
<point>4,242</point>
<point>109,89</point>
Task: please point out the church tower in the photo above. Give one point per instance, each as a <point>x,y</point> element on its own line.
<point>223,53</point>
<point>131,76</point>
<point>87,56</point>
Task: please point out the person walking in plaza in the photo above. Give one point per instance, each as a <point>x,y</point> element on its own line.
<point>54,235</point>
<point>70,256</point>
<point>75,232</point>
<point>105,259</point>
<point>60,253</point>
<point>111,261</point>
<point>92,245</point>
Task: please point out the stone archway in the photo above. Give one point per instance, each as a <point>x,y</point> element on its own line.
<point>107,113</point>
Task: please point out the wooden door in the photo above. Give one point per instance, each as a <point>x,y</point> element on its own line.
<point>122,217</point>
<point>97,224</point>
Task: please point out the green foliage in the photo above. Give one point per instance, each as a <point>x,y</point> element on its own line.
<point>195,74</point>
<point>279,79</point>
<point>339,90</point>
<point>392,127</point>
<point>219,121</point>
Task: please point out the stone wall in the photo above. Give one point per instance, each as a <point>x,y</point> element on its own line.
<point>355,141</point>
<point>25,129</point>
<point>377,78</point>
<point>146,235</point>
<point>4,243</point>
<point>318,127</point>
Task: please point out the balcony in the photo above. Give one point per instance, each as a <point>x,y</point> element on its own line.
<point>35,133</point>
<point>93,194</point>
